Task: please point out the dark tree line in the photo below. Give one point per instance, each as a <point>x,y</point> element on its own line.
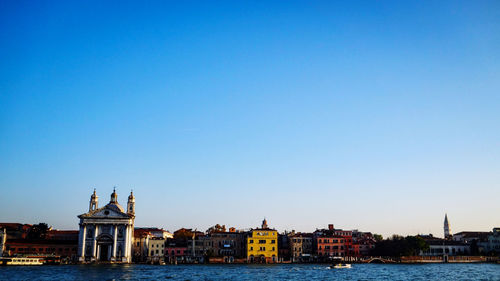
<point>398,246</point>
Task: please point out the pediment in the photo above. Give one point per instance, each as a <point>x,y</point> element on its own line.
<point>109,213</point>
<point>105,213</point>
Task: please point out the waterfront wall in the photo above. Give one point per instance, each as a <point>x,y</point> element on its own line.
<point>444,259</point>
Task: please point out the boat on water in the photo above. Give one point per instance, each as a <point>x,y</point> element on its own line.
<point>21,261</point>
<point>341,265</point>
<point>337,263</point>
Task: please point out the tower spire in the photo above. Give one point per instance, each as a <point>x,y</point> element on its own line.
<point>446,227</point>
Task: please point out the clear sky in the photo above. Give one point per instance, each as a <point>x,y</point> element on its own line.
<point>373,115</point>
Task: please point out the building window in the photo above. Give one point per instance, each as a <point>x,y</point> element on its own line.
<point>262,241</point>
<point>273,241</point>
<point>251,241</point>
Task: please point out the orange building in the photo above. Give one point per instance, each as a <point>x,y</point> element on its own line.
<point>328,245</point>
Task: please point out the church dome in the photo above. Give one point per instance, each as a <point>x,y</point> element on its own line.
<point>115,207</point>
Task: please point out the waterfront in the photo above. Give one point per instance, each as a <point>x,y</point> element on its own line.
<point>254,272</point>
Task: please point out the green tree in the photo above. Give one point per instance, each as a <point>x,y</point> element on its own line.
<point>415,244</point>
<point>38,231</point>
<point>378,237</point>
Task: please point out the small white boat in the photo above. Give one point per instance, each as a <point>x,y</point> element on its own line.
<point>341,265</point>
<point>21,261</point>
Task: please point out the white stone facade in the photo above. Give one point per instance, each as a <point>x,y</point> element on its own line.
<point>3,239</point>
<point>106,234</point>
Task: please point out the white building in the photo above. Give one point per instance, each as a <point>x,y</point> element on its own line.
<point>492,244</point>
<point>106,233</point>
<point>156,249</point>
<point>450,248</point>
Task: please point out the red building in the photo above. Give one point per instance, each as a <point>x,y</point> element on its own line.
<point>175,250</point>
<point>61,243</point>
<point>66,235</point>
<point>335,242</point>
<point>25,247</point>
<point>16,230</point>
<point>351,248</point>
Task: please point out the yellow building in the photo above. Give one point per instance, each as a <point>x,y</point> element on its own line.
<point>262,245</point>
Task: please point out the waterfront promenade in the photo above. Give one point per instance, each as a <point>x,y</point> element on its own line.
<point>430,272</point>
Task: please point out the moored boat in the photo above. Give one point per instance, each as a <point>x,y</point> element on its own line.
<point>21,261</point>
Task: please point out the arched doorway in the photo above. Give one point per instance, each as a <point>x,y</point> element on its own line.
<point>104,244</point>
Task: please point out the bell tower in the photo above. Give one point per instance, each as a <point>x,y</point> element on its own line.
<point>446,227</point>
<point>131,204</point>
<point>264,224</point>
<point>93,202</point>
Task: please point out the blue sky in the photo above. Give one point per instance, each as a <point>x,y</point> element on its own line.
<point>375,115</point>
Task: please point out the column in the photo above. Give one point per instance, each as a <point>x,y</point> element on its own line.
<point>131,240</point>
<point>94,251</point>
<point>84,237</point>
<point>114,241</point>
<point>125,253</point>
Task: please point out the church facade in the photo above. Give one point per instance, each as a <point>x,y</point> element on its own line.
<point>106,233</point>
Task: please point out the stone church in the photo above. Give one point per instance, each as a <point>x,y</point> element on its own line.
<point>106,233</point>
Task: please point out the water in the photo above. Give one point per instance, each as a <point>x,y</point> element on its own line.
<point>254,272</point>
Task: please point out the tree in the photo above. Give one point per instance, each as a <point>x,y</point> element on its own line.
<point>38,231</point>
<point>415,244</point>
<point>216,228</point>
<point>378,237</point>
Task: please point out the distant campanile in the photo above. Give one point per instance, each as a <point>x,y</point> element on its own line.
<point>446,226</point>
